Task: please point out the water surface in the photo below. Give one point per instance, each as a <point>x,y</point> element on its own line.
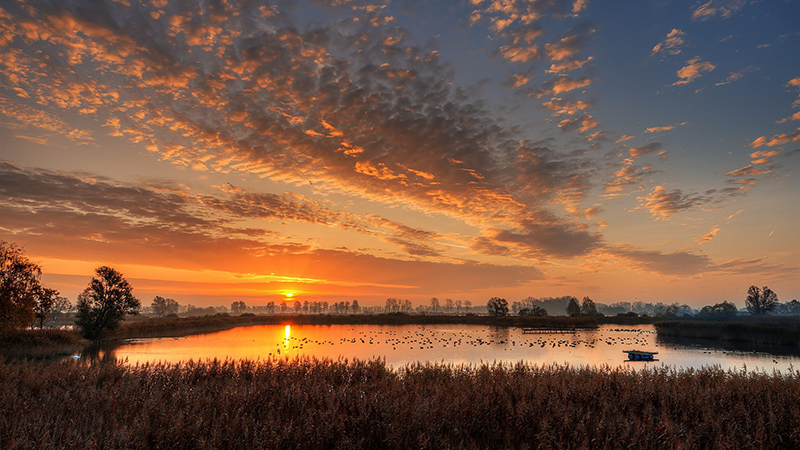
<point>458,344</point>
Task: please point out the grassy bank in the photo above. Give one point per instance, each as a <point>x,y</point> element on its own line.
<point>325,404</point>
<point>762,331</point>
<point>179,326</point>
<point>40,343</point>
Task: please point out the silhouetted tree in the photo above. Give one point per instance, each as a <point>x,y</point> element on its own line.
<point>356,307</point>
<point>449,304</point>
<point>238,307</point>
<point>434,304</point>
<point>105,303</point>
<point>19,286</point>
<point>588,308</point>
<point>573,308</point>
<point>467,305</point>
<point>62,305</point>
<point>760,302</point>
<point>45,299</point>
<point>722,310</point>
<point>164,306</point>
<point>497,306</point>
<point>537,311</point>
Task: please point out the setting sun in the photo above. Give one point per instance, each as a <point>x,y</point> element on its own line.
<point>289,295</point>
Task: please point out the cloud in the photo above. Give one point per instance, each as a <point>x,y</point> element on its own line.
<point>349,104</point>
<point>693,70</point>
<point>167,227</point>
<point>627,178</point>
<point>582,124</point>
<point>736,76</point>
<point>664,128</point>
<point>713,8</point>
<point>708,237</point>
<point>678,263</point>
<point>561,84</point>
<point>561,107</point>
<point>663,204</point>
<point>777,139</point>
<point>671,44</point>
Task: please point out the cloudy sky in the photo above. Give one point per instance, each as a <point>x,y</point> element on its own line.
<point>233,150</point>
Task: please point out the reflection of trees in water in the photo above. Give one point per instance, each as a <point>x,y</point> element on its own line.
<point>697,343</point>
<point>103,353</point>
<point>500,334</point>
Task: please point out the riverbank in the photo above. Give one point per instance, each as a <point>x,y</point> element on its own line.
<point>54,343</point>
<point>784,331</point>
<point>364,404</point>
<point>179,326</point>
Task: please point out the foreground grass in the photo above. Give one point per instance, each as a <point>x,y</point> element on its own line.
<point>338,404</point>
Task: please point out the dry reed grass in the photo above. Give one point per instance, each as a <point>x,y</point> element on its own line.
<point>312,404</point>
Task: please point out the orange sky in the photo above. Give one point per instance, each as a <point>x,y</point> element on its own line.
<point>346,150</point>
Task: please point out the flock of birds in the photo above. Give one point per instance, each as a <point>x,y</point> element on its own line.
<point>423,339</point>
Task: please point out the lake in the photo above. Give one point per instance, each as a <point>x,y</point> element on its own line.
<point>457,344</point>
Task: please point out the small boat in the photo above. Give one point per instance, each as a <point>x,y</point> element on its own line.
<point>640,355</point>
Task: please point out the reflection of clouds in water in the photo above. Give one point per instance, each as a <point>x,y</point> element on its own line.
<point>401,345</point>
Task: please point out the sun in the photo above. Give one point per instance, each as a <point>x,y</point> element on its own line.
<point>289,295</point>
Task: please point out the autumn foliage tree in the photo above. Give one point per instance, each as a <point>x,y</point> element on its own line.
<point>759,301</point>
<point>105,303</point>
<point>22,296</point>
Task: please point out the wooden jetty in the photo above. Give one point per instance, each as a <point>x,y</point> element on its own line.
<point>554,330</point>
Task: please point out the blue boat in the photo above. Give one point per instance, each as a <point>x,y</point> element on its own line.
<point>640,355</point>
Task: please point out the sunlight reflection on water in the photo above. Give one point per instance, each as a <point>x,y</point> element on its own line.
<point>461,344</point>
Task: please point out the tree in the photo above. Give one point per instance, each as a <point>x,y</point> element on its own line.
<point>45,300</point>
<point>164,306</point>
<point>760,302</point>
<point>449,304</point>
<point>434,304</point>
<point>61,305</point>
<point>573,309</point>
<point>238,307</point>
<point>534,310</point>
<point>19,285</point>
<point>722,310</point>
<point>467,305</point>
<point>588,307</point>
<point>497,306</point>
<point>356,307</point>
<point>105,303</point>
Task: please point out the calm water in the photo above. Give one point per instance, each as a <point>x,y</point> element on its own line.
<point>462,344</point>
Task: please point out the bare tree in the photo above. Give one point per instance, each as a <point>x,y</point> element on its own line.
<point>497,306</point>
<point>760,302</point>
<point>434,304</point>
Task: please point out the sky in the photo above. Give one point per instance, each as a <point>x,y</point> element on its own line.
<point>214,151</point>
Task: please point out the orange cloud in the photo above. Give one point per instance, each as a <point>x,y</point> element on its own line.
<point>693,70</point>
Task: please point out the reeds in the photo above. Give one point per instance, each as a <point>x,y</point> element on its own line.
<point>307,403</point>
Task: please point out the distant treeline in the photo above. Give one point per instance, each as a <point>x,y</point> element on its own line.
<point>176,326</point>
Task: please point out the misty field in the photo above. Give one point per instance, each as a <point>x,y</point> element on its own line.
<point>364,404</point>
